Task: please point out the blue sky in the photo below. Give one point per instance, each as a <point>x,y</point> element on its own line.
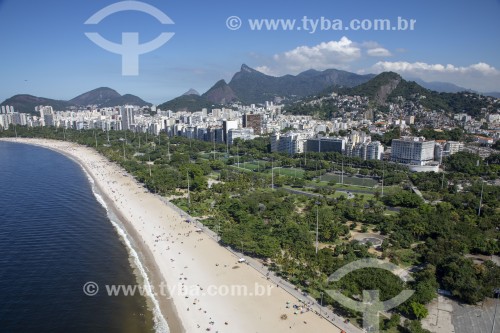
<point>45,52</point>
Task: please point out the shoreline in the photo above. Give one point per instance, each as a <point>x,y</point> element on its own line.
<point>193,256</point>
<point>167,308</point>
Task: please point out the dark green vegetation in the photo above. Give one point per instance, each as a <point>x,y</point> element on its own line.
<point>434,240</point>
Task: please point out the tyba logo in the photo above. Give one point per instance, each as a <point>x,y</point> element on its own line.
<point>129,49</point>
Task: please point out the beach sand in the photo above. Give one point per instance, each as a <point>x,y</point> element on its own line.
<point>198,273</point>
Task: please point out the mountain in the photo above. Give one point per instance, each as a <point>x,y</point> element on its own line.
<point>220,93</point>
<point>107,97</point>
<point>377,89</point>
<point>388,86</point>
<point>448,87</point>
<point>97,96</point>
<point>440,86</point>
<point>251,86</point>
<point>191,92</point>
<point>102,97</point>
<point>26,103</point>
<point>493,94</point>
<point>126,99</point>
<point>187,103</point>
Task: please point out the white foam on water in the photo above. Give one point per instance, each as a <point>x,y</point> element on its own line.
<point>160,323</point>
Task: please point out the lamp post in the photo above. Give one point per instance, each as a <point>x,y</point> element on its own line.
<point>272,174</point>
<point>317,225</point>
<point>189,194</point>
<point>480,200</point>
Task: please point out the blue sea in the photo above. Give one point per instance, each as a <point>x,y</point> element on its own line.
<point>54,238</point>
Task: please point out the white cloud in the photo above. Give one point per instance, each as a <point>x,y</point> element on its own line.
<point>480,76</point>
<point>265,69</point>
<point>378,52</point>
<point>321,56</point>
<point>374,49</point>
<point>358,56</point>
<point>422,68</point>
<point>332,54</point>
<point>338,54</point>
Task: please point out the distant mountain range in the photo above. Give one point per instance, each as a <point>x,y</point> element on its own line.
<point>251,86</point>
<point>387,87</point>
<point>101,97</point>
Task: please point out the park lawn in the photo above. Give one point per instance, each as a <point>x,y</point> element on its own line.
<point>350,180</point>
<point>290,172</point>
<point>241,168</point>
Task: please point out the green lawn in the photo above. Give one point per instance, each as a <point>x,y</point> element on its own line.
<point>291,172</point>
<point>368,182</point>
<point>253,166</point>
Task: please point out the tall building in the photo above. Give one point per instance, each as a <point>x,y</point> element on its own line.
<point>275,139</point>
<point>290,143</point>
<point>453,147</point>
<point>324,145</point>
<point>127,114</point>
<point>253,121</point>
<point>412,150</point>
<point>374,151</point>
<point>359,150</point>
<point>242,133</point>
<point>228,125</point>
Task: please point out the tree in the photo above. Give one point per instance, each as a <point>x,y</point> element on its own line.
<point>419,310</point>
<point>414,326</point>
<point>393,322</point>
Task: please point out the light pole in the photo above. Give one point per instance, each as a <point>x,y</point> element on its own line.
<point>168,150</point>
<point>317,225</point>
<point>480,200</point>
<point>189,194</point>
<point>342,181</point>
<point>383,175</point>
<point>272,174</point>
<point>442,179</point>
<point>238,154</point>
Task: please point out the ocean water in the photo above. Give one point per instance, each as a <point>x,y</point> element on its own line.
<point>54,238</point>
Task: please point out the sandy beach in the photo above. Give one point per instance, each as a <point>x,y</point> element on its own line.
<point>205,283</point>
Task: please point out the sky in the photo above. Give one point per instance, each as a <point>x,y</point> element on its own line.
<point>45,51</point>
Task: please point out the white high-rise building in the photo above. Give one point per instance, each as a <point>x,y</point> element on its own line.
<point>412,150</point>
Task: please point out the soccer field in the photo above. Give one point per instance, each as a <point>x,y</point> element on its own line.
<point>290,172</point>
<point>368,182</point>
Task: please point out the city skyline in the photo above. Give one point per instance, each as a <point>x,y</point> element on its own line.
<point>49,55</point>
